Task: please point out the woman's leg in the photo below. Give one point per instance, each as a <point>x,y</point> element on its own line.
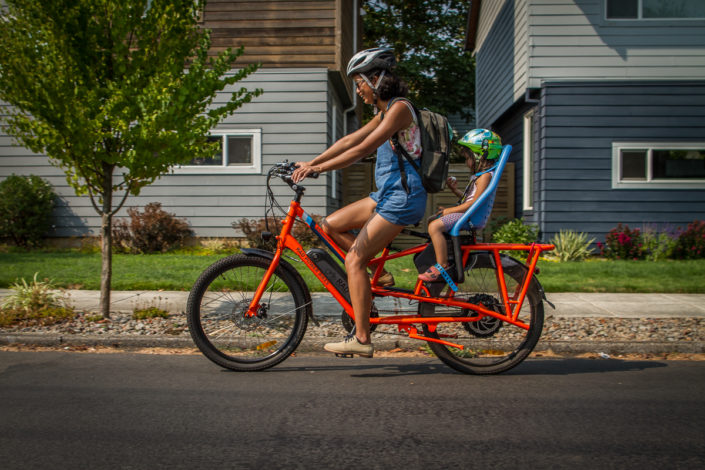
<point>353,216</point>
<point>376,234</point>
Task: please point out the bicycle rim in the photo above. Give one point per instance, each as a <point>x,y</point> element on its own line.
<point>489,345</point>
<point>218,320</point>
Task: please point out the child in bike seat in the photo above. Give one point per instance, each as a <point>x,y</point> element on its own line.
<point>482,150</point>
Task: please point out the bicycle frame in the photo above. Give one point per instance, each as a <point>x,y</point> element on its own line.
<point>512,303</point>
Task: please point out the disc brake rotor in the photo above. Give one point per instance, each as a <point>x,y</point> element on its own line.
<point>487,325</point>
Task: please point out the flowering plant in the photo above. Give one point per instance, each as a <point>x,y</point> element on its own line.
<point>691,242</point>
<point>623,243</point>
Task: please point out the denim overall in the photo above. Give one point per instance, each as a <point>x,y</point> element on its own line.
<point>393,203</point>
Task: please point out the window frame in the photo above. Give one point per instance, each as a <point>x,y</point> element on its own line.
<point>640,17</point>
<point>650,182</point>
<point>224,169</point>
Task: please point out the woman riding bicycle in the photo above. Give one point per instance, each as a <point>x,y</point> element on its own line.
<point>382,215</point>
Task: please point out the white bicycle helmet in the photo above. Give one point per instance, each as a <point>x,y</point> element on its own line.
<point>378,58</point>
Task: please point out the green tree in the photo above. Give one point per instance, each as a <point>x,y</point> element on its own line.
<point>115,92</point>
<point>427,37</point>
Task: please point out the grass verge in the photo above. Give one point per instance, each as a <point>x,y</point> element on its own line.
<point>179,271</point>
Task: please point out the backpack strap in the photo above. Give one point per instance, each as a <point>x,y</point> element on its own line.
<point>401,149</point>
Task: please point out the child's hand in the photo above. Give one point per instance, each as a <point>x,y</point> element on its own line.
<point>452,183</point>
<point>437,215</point>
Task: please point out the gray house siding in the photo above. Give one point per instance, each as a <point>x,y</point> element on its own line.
<point>495,67</point>
<point>571,39</point>
<point>580,122</point>
<point>293,116</point>
<point>523,43</point>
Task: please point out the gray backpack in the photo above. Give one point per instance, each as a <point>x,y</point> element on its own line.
<point>435,144</point>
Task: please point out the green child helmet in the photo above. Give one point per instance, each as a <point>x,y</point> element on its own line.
<point>483,143</point>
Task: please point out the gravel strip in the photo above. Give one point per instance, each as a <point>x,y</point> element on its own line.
<point>556,330</point>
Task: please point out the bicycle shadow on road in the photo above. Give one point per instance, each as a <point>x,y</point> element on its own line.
<point>409,367</point>
<point>387,367</point>
<point>571,366</point>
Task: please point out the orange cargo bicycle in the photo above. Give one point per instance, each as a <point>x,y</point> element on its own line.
<point>250,311</point>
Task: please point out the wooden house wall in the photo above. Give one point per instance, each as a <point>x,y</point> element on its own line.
<point>359,182</point>
<point>275,33</point>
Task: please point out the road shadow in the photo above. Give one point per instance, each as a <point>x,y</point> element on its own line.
<point>390,367</point>
<point>383,367</point>
<point>570,366</point>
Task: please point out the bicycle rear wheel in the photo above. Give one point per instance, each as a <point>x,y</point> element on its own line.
<point>218,304</point>
<point>490,346</point>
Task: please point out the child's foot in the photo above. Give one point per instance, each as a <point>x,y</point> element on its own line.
<point>433,274</point>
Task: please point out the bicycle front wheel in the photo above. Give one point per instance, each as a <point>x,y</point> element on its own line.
<point>217,313</point>
<point>490,346</point>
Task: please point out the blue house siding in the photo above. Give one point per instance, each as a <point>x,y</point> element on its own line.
<point>578,125</point>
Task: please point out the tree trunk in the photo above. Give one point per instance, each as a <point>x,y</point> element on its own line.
<point>106,272</point>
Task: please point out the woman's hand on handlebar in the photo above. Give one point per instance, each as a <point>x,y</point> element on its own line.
<point>304,169</point>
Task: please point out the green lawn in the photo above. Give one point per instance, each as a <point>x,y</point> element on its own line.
<point>179,271</point>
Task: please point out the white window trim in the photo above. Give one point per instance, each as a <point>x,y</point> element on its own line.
<point>651,183</point>
<point>528,163</point>
<point>224,169</point>
<point>640,12</point>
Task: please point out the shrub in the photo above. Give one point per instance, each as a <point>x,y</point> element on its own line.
<point>516,231</point>
<point>150,312</point>
<point>26,203</point>
<point>658,244</point>
<point>34,303</point>
<point>253,232</point>
<point>691,242</point>
<point>623,243</point>
<point>152,231</point>
<point>571,245</point>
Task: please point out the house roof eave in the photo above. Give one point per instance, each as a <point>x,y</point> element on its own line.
<point>471,30</point>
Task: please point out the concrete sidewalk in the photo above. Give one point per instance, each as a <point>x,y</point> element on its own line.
<point>568,305</point>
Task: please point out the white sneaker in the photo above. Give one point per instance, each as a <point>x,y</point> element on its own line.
<point>350,346</point>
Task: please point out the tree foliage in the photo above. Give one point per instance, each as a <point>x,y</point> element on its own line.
<point>115,92</point>
<point>427,37</point>
<point>100,85</point>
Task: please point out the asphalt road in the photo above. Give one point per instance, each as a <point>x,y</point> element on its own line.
<point>70,410</point>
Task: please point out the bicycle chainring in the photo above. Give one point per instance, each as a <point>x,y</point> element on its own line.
<point>486,326</point>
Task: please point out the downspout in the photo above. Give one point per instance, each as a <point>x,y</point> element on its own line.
<point>354,42</point>
<point>539,202</point>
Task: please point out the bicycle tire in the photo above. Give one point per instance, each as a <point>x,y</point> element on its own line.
<point>219,300</point>
<point>490,346</point>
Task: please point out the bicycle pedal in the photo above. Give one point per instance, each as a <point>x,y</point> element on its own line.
<point>348,355</point>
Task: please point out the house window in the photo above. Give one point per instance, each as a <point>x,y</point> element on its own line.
<point>239,152</point>
<point>658,165</point>
<point>654,9</point>
<point>528,162</point>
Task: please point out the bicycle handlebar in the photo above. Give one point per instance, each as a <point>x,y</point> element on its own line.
<point>284,170</point>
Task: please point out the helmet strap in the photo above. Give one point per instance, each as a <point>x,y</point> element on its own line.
<point>375,95</point>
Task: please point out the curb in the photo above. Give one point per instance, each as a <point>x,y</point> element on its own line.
<point>315,344</point>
